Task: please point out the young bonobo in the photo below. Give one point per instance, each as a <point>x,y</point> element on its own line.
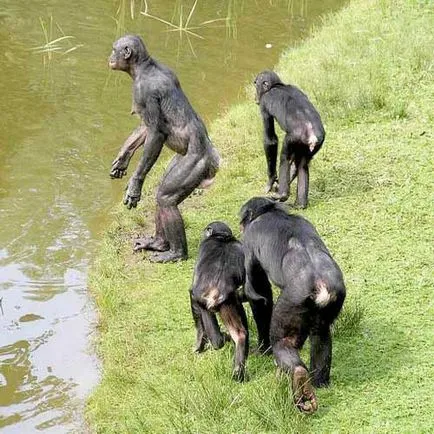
<point>287,250</point>
<point>304,134</point>
<point>218,273</point>
<point>166,118</point>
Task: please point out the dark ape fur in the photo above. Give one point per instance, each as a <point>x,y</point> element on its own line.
<point>304,130</point>
<point>166,118</point>
<point>218,273</point>
<point>288,251</point>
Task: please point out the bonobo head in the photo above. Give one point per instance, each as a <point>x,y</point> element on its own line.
<point>255,207</point>
<point>218,230</point>
<point>264,81</point>
<point>128,52</point>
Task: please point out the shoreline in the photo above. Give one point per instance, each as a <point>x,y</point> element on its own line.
<point>375,97</point>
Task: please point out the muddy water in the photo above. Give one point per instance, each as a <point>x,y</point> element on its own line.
<point>62,117</point>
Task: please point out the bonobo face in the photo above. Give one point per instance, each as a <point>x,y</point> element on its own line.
<point>121,53</point>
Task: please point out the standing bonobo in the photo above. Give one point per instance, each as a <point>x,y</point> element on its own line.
<point>304,134</point>
<point>218,273</point>
<point>166,118</point>
<point>287,250</point>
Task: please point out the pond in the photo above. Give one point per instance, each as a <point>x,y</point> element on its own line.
<point>63,117</point>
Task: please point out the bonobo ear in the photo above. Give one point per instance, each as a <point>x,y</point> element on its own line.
<point>208,231</point>
<point>266,86</point>
<point>127,53</point>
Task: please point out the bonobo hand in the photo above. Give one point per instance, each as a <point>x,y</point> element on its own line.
<point>281,197</point>
<point>271,185</point>
<point>134,192</point>
<point>119,166</point>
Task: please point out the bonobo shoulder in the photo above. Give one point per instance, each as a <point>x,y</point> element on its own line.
<point>162,76</point>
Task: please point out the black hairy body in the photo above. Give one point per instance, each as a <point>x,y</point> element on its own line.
<point>167,118</point>
<point>218,274</point>
<point>288,251</point>
<point>304,134</point>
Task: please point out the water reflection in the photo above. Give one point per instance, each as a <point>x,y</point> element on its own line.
<point>42,347</point>
<point>64,116</point>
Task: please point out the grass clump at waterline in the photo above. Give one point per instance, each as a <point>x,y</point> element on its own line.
<point>369,70</point>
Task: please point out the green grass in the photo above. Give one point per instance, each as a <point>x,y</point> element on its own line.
<point>369,69</point>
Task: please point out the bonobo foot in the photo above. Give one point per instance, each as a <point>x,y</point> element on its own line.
<point>300,205</point>
<point>303,391</point>
<point>239,374</point>
<point>200,345</point>
<point>168,256</point>
<point>156,244</point>
<point>271,185</point>
<point>134,192</point>
<point>281,197</point>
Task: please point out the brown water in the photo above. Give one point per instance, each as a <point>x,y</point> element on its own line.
<point>63,117</point>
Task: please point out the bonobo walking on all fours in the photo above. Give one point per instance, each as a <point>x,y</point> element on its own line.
<point>287,250</point>
<point>304,134</point>
<point>166,118</point>
<point>218,274</point>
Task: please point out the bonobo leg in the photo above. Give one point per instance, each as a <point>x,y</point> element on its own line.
<point>320,353</point>
<point>257,282</point>
<point>133,142</point>
<point>302,181</point>
<point>270,148</point>
<point>321,339</point>
<point>234,318</point>
<point>212,329</point>
<point>157,243</point>
<point>174,232</point>
<point>285,169</point>
<point>292,174</point>
<point>289,330</point>
<point>201,337</point>
<point>184,174</point>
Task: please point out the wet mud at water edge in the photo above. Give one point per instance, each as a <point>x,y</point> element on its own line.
<point>63,117</point>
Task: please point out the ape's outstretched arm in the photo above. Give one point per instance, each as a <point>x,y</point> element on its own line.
<point>121,162</point>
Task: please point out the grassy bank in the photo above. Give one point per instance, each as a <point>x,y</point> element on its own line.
<point>369,69</point>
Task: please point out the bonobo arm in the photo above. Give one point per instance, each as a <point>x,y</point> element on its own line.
<point>153,145</point>
<point>121,162</point>
<point>270,147</point>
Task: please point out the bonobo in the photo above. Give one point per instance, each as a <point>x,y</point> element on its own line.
<point>218,273</point>
<point>304,134</point>
<point>287,250</point>
<point>166,118</point>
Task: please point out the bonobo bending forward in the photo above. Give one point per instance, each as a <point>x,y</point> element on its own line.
<point>287,250</point>
<point>218,273</point>
<point>166,118</point>
<point>304,134</point>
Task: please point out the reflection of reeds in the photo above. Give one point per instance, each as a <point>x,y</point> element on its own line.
<point>231,22</point>
<point>302,8</point>
<point>125,7</point>
<point>61,45</point>
<point>183,26</point>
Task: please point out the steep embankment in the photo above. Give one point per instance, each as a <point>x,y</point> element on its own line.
<point>369,69</point>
